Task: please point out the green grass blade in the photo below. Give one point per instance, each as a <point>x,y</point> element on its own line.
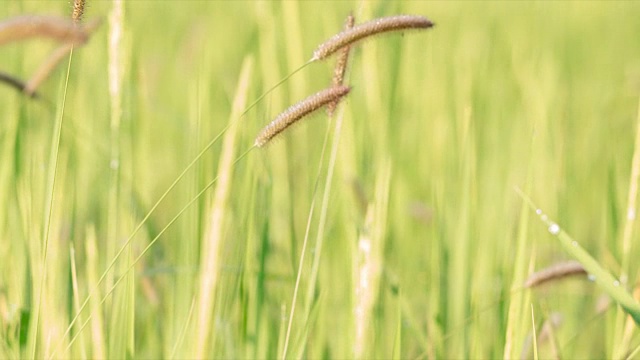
<point>602,277</point>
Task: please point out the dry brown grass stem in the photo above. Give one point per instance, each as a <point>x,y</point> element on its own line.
<point>341,65</point>
<point>367,29</point>
<point>298,111</point>
<point>555,272</point>
<point>52,27</point>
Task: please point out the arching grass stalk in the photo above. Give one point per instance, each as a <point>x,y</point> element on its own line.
<point>602,277</point>
<point>166,193</point>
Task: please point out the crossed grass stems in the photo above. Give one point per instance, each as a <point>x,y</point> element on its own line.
<point>69,33</point>
<point>72,33</point>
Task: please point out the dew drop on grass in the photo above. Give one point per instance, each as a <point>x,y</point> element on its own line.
<point>616,283</point>
<point>544,218</point>
<point>631,214</point>
<point>539,212</point>
<point>591,277</point>
<point>554,229</point>
<point>364,246</point>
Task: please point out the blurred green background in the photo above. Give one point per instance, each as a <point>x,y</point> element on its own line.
<point>425,244</point>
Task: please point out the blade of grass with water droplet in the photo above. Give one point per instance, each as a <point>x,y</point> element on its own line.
<point>602,277</point>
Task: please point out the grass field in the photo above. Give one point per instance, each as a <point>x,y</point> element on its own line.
<point>396,225</point>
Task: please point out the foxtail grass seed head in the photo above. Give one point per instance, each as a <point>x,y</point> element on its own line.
<point>341,65</point>
<point>78,10</point>
<point>370,28</point>
<point>298,111</point>
<point>56,28</point>
<point>555,272</point>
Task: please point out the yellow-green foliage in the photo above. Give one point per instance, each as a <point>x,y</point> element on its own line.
<point>438,129</point>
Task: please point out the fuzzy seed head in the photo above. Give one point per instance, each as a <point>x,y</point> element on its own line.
<point>341,65</point>
<point>298,111</point>
<point>555,272</point>
<point>367,29</point>
<point>78,10</point>
<point>56,28</point>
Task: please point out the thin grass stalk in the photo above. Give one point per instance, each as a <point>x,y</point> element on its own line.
<point>48,209</point>
<point>631,202</point>
<point>514,313</point>
<point>632,354</point>
<point>54,59</point>
<point>338,80</point>
<point>303,252</point>
<point>517,302</point>
<point>142,254</point>
<point>397,343</point>
<point>164,195</point>
<point>535,337</point>
<point>627,328</point>
<point>98,337</point>
<point>103,277</point>
<point>115,72</point>
<point>210,263</point>
<point>183,332</point>
<point>323,212</point>
<point>546,334</point>
<point>76,296</point>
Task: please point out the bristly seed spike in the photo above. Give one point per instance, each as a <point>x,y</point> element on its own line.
<point>370,28</point>
<point>78,10</point>
<point>298,111</point>
<point>341,65</point>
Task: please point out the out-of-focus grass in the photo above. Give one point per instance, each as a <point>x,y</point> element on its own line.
<point>537,95</point>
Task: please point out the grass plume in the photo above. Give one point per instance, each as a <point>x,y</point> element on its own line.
<point>555,272</point>
<point>298,111</point>
<point>52,27</point>
<point>78,10</point>
<point>367,29</point>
